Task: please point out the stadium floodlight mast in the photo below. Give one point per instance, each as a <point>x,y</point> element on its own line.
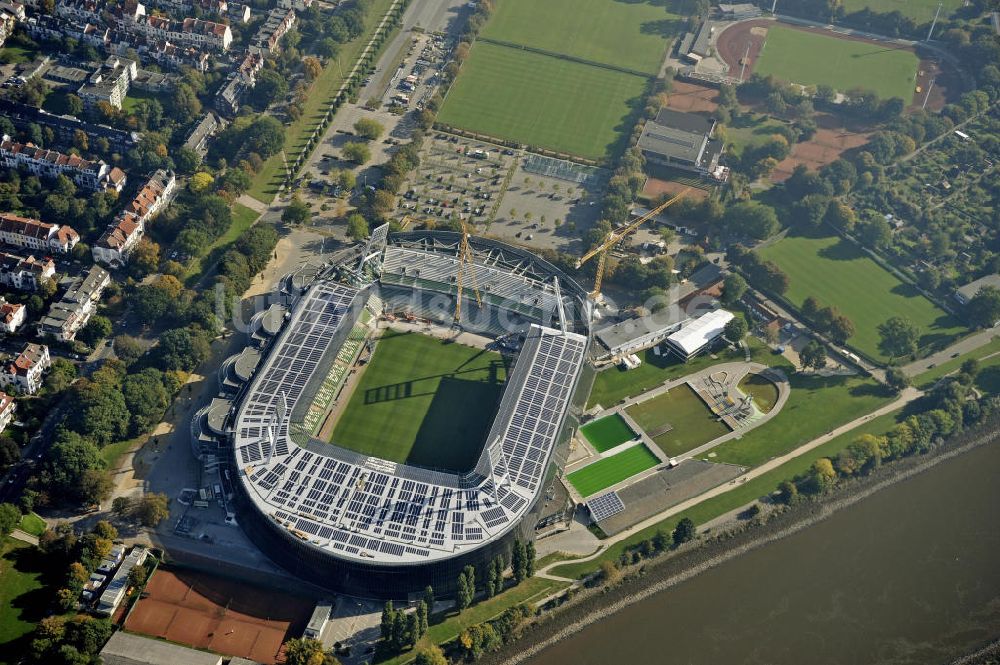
<point>934,22</point>
<point>774,6</point>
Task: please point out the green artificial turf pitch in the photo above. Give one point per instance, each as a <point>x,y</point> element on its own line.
<point>921,11</point>
<point>839,274</point>
<point>692,422</point>
<point>809,58</point>
<point>612,470</point>
<point>607,432</point>
<point>423,401</point>
<point>632,35</point>
<point>543,101</point>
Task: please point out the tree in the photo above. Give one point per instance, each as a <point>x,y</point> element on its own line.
<point>200,182</point>
<point>491,579</point>
<point>181,349</point>
<point>10,518</point>
<point>788,492</point>
<point>983,309</point>
<point>429,599</point>
<point>736,329</point>
<point>10,453</point>
<point>876,233</point>
<point>898,337</point>
<point>751,218</point>
<point>145,258</point>
<point>609,572</point>
<point>270,88</point>
<point>306,651</point>
<point>312,67</point>
<point>733,288</point>
<point>146,398</point>
<point>822,474</point>
<point>97,411</point>
<point>840,329</point>
<point>813,355</point>
<point>296,212</point>
<point>685,531</point>
<point>422,621</point>
<point>356,152</point>
<point>896,380</point>
<point>96,329</point>
<point>529,559</point>
<point>357,227</point>
<point>347,179</point>
<point>518,563</point>
<point>430,656</point>
<point>122,506</point>
<point>466,587</point>
<point>127,349</point>
<point>370,129</point>
<point>152,509</point>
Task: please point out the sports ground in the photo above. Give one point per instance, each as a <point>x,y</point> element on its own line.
<point>677,421</point>
<point>423,401</point>
<point>612,470</point>
<point>837,273</point>
<point>220,615</point>
<point>607,432</point>
<point>761,389</point>
<point>813,58</point>
<point>921,11</point>
<point>538,64</point>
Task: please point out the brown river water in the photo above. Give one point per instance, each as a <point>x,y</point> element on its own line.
<point>909,575</point>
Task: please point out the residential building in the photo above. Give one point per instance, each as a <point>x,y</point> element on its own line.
<point>197,140</point>
<point>72,312</point>
<point>12,316</point>
<point>172,55</point>
<point>25,273</point>
<point>109,84</point>
<point>684,141</point>
<point>120,238</point>
<point>277,24</point>
<point>189,32</point>
<point>228,99</point>
<point>66,126</point>
<point>25,371</point>
<point>44,27</point>
<point>91,175</point>
<point>10,14</point>
<point>34,234</point>
<point>297,5</point>
<point>7,408</point>
<point>966,293</point>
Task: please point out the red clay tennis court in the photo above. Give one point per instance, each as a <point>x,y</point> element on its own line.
<point>221,615</point>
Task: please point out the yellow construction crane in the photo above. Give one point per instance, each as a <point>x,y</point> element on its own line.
<point>616,236</point>
<point>465,257</point>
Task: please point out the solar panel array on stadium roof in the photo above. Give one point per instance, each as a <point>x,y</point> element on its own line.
<point>359,506</point>
<point>605,506</point>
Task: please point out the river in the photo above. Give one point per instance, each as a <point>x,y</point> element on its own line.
<point>910,575</point>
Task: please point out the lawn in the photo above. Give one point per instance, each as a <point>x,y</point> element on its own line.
<point>763,391</point>
<point>423,401</point>
<point>606,433</point>
<point>815,406</point>
<point>692,422</point>
<point>837,273</point>
<point>921,11</point>
<point>135,96</point>
<point>611,470</point>
<point>809,58</point>
<point>321,94</point>
<point>632,35</point>
<point>243,219</point>
<point>543,101</point>
<point>21,602</point>
<point>739,495</point>
<point>613,385</point>
<point>33,524</point>
<point>17,54</point>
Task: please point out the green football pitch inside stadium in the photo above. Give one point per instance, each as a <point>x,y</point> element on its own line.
<point>810,58</point>
<point>631,35</point>
<point>921,11</point>
<point>607,432</point>
<point>423,401</point>
<point>611,470</point>
<point>542,101</point>
<point>691,423</point>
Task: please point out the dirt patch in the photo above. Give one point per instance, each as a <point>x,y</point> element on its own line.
<point>829,142</point>
<point>940,78</point>
<point>692,98</point>
<point>220,615</point>
<point>655,187</point>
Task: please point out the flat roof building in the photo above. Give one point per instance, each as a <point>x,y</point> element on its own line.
<point>130,649</point>
<point>699,334</point>
<point>684,141</point>
<point>966,293</point>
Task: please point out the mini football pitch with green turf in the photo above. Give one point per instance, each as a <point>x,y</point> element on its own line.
<point>423,401</point>
<point>542,101</point>
<point>810,58</point>
<point>607,432</point>
<point>612,470</point>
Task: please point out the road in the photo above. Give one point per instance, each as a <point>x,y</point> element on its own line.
<point>907,396</point>
<point>959,348</point>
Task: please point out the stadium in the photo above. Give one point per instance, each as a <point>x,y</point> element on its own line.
<point>379,506</point>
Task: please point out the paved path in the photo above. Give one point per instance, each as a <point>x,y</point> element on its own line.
<point>252,203</point>
<point>24,536</point>
<point>907,396</point>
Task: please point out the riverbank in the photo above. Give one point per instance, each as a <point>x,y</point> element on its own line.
<point>655,575</point>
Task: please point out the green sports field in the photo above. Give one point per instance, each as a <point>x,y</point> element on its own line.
<point>632,35</point>
<point>611,470</point>
<point>809,58</point>
<point>921,11</point>
<point>692,423</point>
<point>838,274</point>
<point>423,401</point>
<point>761,389</point>
<point>607,432</point>
<point>542,101</point>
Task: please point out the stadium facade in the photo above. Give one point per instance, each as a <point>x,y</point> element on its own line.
<point>365,525</point>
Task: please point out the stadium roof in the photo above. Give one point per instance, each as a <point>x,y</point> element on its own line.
<point>128,649</point>
<point>694,336</point>
<point>375,511</point>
